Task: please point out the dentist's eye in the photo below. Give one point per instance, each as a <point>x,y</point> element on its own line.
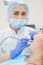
<point>16,13</point>
<point>23,13</point>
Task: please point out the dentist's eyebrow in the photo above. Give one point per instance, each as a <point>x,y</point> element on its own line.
<point>16,12</point>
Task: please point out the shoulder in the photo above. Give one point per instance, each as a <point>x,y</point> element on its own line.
<point>4,33</point>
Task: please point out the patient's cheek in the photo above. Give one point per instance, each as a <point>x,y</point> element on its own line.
<point>39,37</point>
<point>35,45</point>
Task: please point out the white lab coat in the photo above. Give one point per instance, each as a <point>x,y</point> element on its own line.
<point>8,39</point>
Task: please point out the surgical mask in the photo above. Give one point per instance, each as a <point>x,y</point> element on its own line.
<point>18,23</point>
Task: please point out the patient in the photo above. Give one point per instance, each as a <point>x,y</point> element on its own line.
<point>36,48</point>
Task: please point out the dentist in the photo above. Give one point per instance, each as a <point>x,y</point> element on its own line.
<point>14,39</point>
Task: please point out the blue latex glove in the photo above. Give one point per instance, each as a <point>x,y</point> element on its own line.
<point>32,33</point>
<point>21,44</point>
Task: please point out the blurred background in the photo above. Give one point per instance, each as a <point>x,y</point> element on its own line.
<point>35,13</point>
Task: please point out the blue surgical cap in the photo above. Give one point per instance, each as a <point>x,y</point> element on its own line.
<point>15,3</point>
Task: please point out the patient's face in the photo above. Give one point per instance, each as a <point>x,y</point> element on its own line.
<point>39,36</point>
<point>37,42</point>
<point>36,47</point>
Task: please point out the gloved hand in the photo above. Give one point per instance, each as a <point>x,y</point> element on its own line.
<point>21,44</point>
<point>32,33</point>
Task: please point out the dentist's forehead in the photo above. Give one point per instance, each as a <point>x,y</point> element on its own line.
<point>19,8</point>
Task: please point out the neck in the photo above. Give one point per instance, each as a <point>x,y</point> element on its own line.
<point>14,28</point>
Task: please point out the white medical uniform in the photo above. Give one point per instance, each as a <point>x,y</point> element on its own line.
<point>9,38</point>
